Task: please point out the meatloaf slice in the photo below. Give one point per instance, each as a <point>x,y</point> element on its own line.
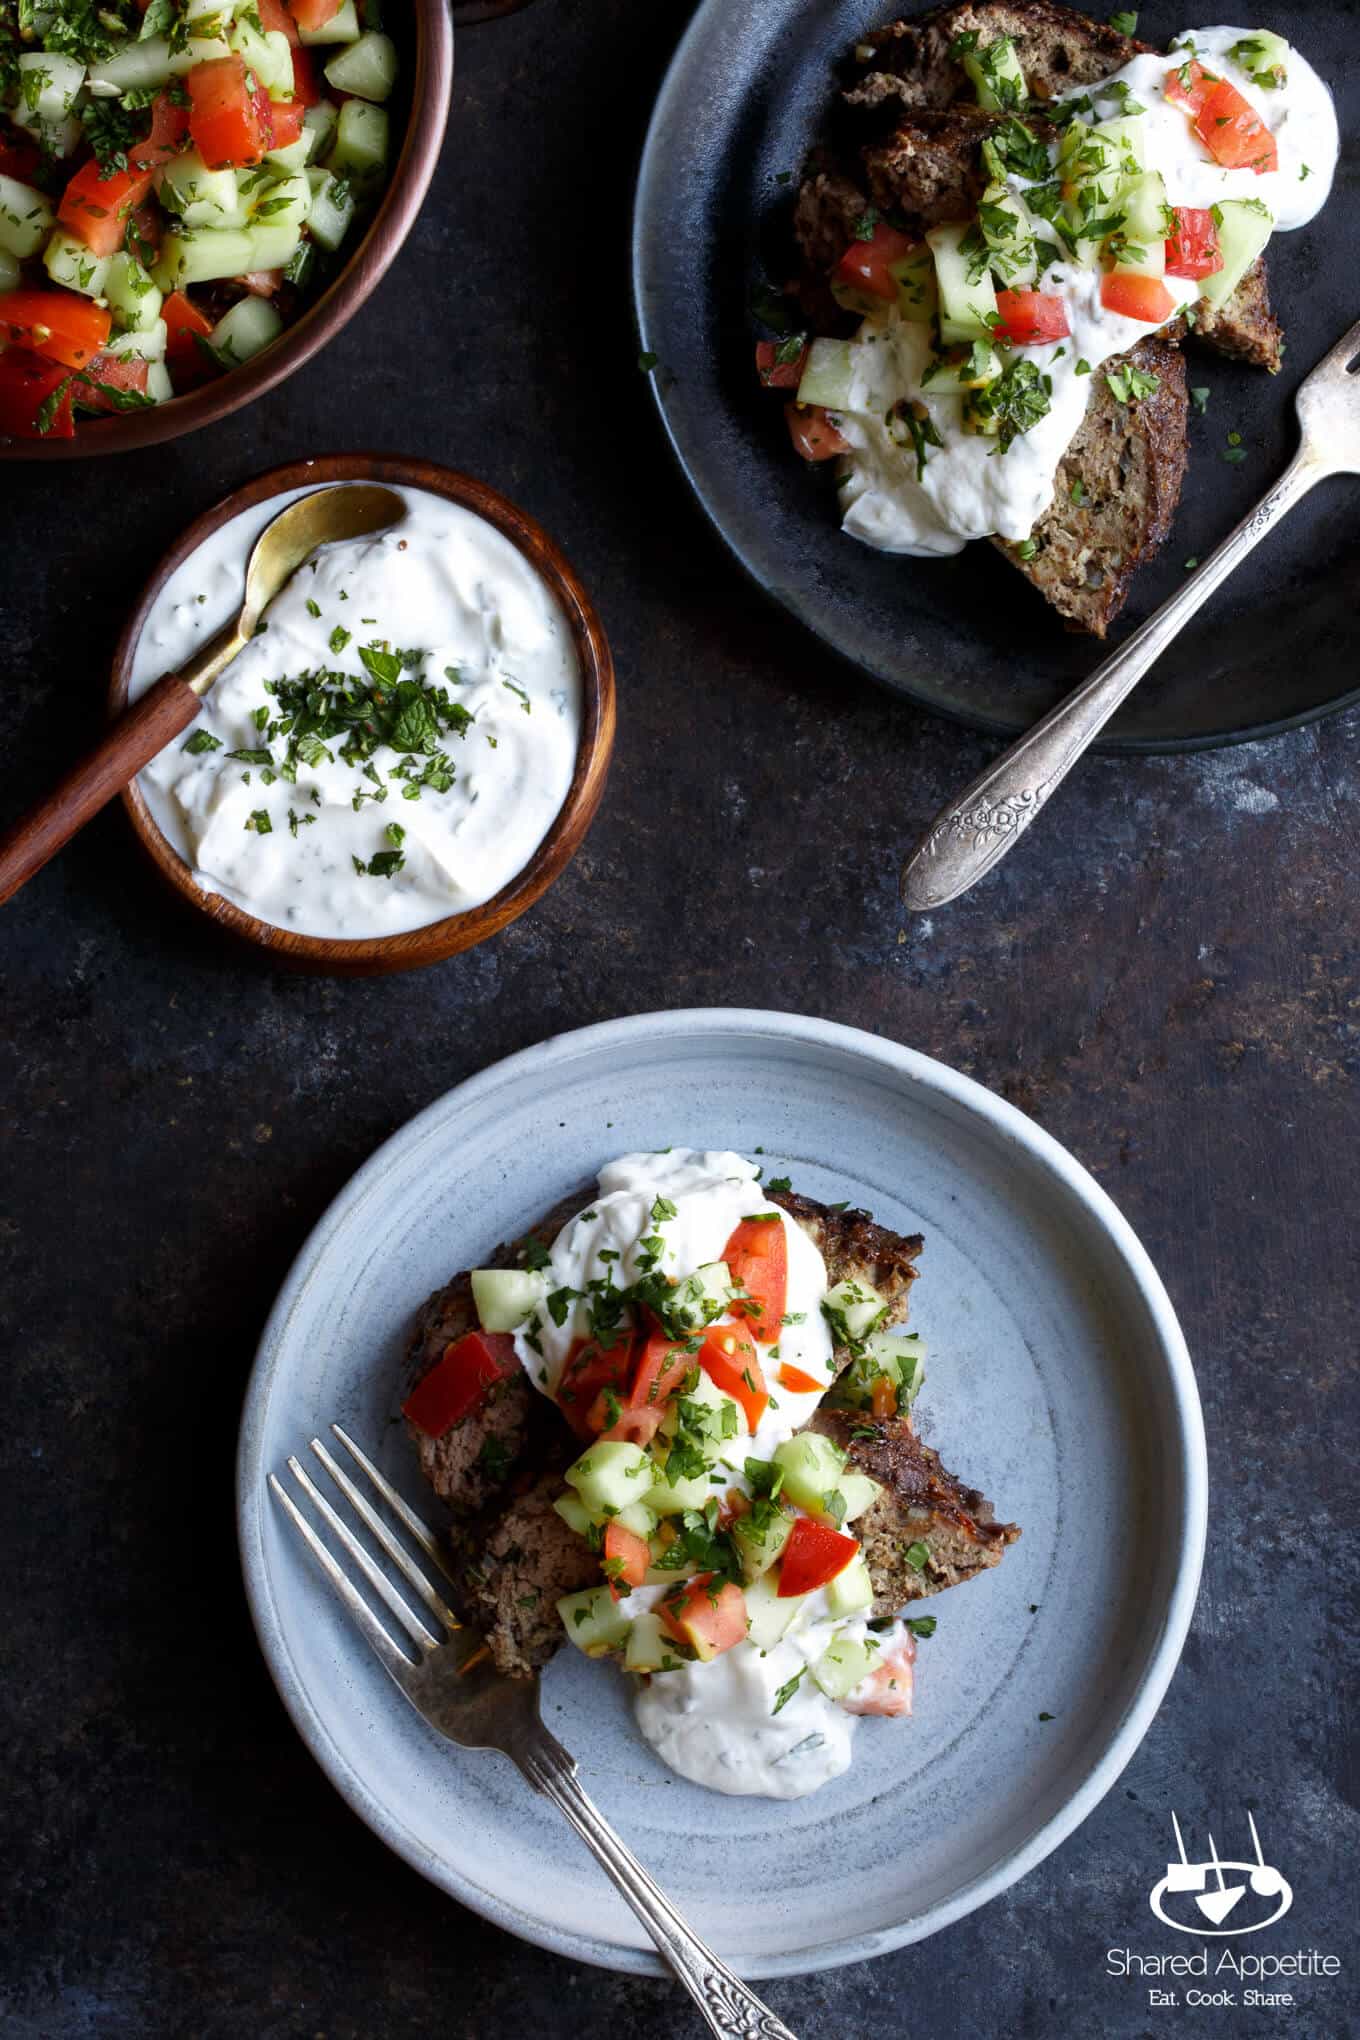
<point>512,1433</point>
<point>1245,328</point>
<point>1058,48</point>
<point>923,1509</point>
<point>514,1569</point>
<point>1116,493</point>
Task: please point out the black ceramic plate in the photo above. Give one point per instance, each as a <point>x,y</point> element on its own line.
<point>745,97</point>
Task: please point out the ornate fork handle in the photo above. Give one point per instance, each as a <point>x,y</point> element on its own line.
<point>976,829</point>
<point>729,2008</point>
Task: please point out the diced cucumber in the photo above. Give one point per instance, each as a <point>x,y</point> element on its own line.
<point>1244,226</point>
<point>132,67</point>
<point>637,1518</point>
<point>768,1617</point>
<point>361,144</point>
<point>902,1361</point>
<point>274,247</point>
<point>812,1467</point>
<point>858,1493</point>
<point>201,255</point>
<point>995,71</point>
<point>699,1298</point>
<point>343,26</point>
<point>203,12</point>
<point>25,218</point>
<point>202,197</point>
<point>853,1309</point>
<point>69,261</point>
<point>367,68</point>
<point>300,267</point>
<point>673,1497</point>
<point>199,49</point>
<point>1262,55</point>
<point>843,1665</point>
<point>159,387</point>
<point>59,138</point>
<point>1139,247</point>
<point>610,1475</point>
<point>246,330</point>
<point>761,1535</point>
<point>967,294</point>
<point>321,121</point>
<point>828,374</point>
<point>9,270</point>
<point>297,155</point>
<point>133,298</point>
<point>1009,233</point>
<point>147,345</point>
<point>574,1514</point>
<point>267,55</point>
<point>594,1621</point>
<point>917,294</point>
<point>504,1297</point>
<point>332,207</point>
<point>1126,138</point>
<point>851,1591</point>
<point>48,84</point>
<point>703,1393</point>
<point>649,1646</point>
<point>972,368</point>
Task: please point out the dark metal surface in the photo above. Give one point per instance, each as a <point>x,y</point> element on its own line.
<point>1167,978</point>
<point>750,92</point>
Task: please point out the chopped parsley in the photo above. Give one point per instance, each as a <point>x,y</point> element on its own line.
<point>788,1689</point>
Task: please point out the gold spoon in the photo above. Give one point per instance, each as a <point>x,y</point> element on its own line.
<point>166,709</point>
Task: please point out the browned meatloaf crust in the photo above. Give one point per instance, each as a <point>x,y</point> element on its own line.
<point>948,1529</point>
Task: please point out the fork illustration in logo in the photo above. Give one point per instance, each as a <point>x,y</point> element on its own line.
<point>1215,1901</point>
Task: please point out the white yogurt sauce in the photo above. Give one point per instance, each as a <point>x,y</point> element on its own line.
<point>716,1723</point>
<point>287,848</point>
<point>968,490</point>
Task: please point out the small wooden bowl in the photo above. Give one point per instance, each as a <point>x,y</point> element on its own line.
<point>425,39</point>
<point>373,956</point>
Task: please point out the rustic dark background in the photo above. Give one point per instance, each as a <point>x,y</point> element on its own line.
<point>1166,976</point>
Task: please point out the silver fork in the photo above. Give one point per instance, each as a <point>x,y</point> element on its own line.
<point>451,1682</point>
<point>978,827</point>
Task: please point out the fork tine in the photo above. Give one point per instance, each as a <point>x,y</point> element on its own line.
<point>399,1556</point>
<point>395,1659</point>
<point>374,1574</point>
<point>1344,352</point>
<point>424,1536</point>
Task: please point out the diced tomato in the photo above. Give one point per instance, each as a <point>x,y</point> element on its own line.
<point>626,1559</point>
<point>28,382</point>
<point>1189,85</point>
<point>285,122</point>
<point>662,1366</point>
<point>1030,317</point>
<point>95,208</point>
<point>1193,249</point>
<point>19,158</point>
<point>777,374</point>
<point>1136,297</point>
<point>1234,133</point>
<point>275,19</point>
<point>110,372</point>
<point>883,1398</point>
<point>188,363</point>
<point>591,1375</point>
<point>169,128</point>
<point>307,84</point>
<point>865,265</point>
<point>313,14</point>
<point>228,114</point>
<point>813,1555</point>
<point>812,432</point>
<point>634,1427</point>
<point>757,1257</point>
<point>461,1381</point>
<point>57,323</point>
<point>888,1688</point>
<point>708,1617</point>
<point>728,1357</point>
<point>794,1379</point>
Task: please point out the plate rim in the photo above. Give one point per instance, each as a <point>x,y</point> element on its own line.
<point>915,1070</point>
<point>669,99</point>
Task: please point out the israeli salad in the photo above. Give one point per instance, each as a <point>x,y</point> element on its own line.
<point>177,179</point>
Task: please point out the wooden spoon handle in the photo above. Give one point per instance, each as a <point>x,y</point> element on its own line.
<point>161,713</point>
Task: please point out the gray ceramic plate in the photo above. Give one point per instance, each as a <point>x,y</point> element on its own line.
<point>1058,1382</point>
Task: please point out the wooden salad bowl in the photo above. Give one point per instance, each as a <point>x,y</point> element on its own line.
<point>423,30</point>
<point>372,956</point>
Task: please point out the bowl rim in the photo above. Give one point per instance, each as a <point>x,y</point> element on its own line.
<point>434,941</point>
<point>431,93</point>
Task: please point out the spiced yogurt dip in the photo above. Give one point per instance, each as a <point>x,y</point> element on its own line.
<point>392,746</point>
